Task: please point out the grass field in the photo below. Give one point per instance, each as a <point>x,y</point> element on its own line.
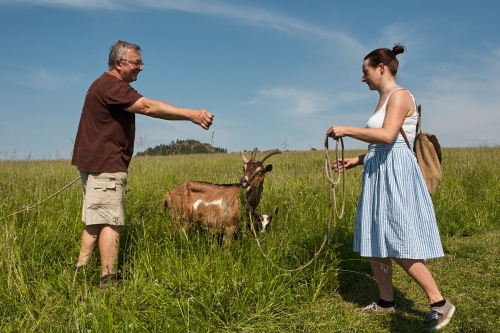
<point>188,283</point>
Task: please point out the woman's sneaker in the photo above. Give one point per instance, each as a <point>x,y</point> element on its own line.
<point>374,308</point>
<point>440,316</point>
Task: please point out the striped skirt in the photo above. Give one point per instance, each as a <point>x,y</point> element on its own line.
<point>395,215</point>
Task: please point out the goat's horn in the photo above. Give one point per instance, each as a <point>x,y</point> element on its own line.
<point>243,158</point>
<point>252,158</point>
<point>267,154</point>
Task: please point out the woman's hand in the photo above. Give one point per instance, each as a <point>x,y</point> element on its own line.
<point>337,131</point>
<point>348,164</point>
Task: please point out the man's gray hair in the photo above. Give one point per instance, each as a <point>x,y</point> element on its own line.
<point>119,51</point>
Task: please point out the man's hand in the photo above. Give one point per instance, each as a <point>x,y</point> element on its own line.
<point>202,118</point>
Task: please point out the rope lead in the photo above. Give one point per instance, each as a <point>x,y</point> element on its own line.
<point>28,208</point>
<point>332,197</point>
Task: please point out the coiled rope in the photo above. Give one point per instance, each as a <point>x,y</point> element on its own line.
<point>28,208</point>
<point>332,198</point>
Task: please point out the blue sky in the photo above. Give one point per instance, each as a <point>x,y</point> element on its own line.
<point>275,74</point>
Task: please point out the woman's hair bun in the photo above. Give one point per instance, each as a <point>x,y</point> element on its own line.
<point>397,49</point>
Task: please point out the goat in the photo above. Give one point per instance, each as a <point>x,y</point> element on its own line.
<point>218,207</point>
<point>265,220</point>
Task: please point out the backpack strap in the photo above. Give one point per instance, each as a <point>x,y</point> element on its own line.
<point>419,127</point>
<point>402,131</point>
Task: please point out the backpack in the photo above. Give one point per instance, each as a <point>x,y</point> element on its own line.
<point>427,150</point>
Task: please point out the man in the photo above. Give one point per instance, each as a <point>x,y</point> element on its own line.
<point>104,147</point>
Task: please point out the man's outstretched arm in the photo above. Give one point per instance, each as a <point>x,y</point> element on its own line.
<point>162,110</point>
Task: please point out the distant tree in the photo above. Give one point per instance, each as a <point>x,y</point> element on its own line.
<point>182,147</point>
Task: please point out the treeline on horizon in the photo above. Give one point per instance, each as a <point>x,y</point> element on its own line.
<point>182,147</point>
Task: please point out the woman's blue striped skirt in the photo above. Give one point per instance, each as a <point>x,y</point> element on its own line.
<point>395,215</point>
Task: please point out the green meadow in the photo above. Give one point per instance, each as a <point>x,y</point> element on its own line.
<point>186,282</point>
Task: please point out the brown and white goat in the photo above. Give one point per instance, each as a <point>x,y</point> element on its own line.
<point>218,207</point>
<point>264,219</point>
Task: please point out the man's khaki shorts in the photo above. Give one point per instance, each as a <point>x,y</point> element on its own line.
<point>104,197</point>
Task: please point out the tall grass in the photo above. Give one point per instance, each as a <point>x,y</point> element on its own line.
<point>469,197</point>
<point>186,282</point>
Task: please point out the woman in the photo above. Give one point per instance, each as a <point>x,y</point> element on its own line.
<point>395,217</point>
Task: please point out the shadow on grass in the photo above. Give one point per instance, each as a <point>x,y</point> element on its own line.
<point>357,286</point>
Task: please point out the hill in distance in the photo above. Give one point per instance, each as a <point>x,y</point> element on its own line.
<point>182,147</point>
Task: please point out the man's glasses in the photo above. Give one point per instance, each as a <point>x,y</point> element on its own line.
<point>136,64</point>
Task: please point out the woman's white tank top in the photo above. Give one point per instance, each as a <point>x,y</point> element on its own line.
<point>409,125</point>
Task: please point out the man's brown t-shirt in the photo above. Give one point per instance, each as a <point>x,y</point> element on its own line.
<point>105,138</point>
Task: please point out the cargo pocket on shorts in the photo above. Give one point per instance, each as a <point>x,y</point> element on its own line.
<point>105,193</point>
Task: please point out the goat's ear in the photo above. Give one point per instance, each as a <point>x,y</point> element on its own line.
<point>258,213</point>
<point>268,168</point>
<point>276,211</point>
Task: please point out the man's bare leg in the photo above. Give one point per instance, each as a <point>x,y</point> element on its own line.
<point>109,241</point>
<point>89,239</point>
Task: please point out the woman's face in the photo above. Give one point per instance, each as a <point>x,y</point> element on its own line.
<point>371,75</point>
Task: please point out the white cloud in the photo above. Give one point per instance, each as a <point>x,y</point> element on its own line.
<point>495,63</point>
<point>42,79</point>
<point>253,16</point>
<point>103,4</point>
<point>291,101</point>
<point>460,104</point>
<point>242,13</point>
<point>408,35</point>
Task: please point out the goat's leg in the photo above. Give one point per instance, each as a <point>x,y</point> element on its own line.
<point>229,233</point>
<point>175,223</point>
<point>225,239</point>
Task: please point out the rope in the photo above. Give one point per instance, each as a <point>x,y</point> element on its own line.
<point>340,174</point>
<point>332,197</point>
<point>28,208</point>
